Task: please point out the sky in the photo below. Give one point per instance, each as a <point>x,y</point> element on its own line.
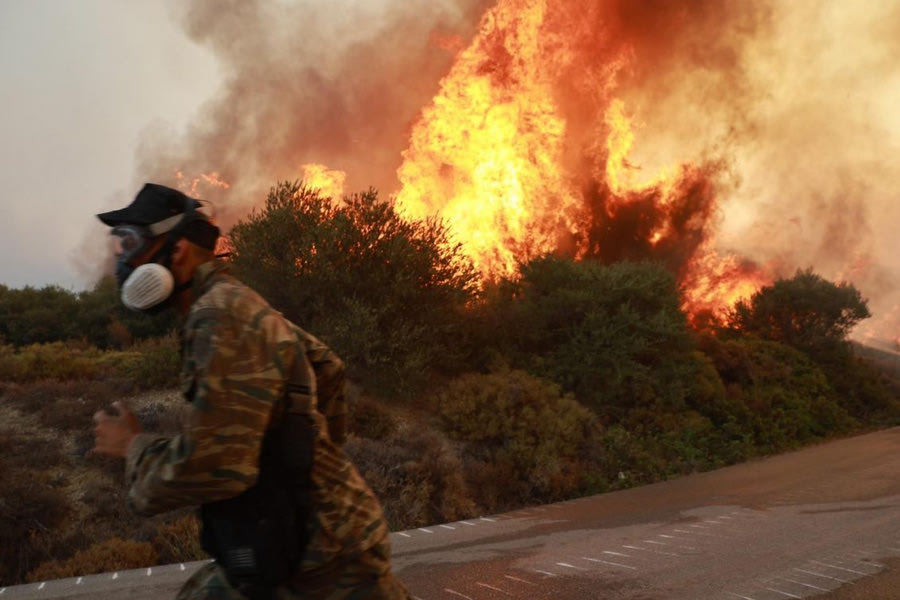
<point>82,82</point>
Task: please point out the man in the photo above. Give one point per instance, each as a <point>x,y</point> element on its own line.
<point>285,513</point>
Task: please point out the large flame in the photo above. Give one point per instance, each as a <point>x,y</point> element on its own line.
<point>517,169</point>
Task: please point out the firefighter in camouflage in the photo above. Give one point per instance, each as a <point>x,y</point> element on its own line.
<point>247,372</point>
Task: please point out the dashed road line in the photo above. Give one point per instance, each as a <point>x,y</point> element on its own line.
<point>425,530</point>
<point>609,562</point>
<point>547,573</point>
<point>739,596</point>
<point>448,527</point>
<point>777,591</point>
<point>818,562</point>
<point>404,534</point>
<point>455,593</point>
<point>519,579</point>
<point>490,587</point>
<point>809,585</point>
<point>822,575</point>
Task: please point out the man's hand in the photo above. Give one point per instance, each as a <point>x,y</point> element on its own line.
<point>114,433</point>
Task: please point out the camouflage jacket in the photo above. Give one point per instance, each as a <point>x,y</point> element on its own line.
<point>238,356</point>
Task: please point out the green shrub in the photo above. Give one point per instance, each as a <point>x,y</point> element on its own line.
<point>522,436</point>
<point>369,418</point>
<point>782,397</point>
<point>416,475</point>
<point>151,364</point>
<point>385,293</point>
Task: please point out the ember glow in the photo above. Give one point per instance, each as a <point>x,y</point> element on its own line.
<point>516,171</point>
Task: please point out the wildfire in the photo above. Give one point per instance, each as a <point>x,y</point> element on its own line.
<point>526,150</point>
<point>192,185</point>
<point>330,182</point>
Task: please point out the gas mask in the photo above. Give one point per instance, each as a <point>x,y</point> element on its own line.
<point>150,286</point>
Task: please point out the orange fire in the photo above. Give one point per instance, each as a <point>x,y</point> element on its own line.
<point>329,182</point>
<point>526,150</point>
<point>192,185</point>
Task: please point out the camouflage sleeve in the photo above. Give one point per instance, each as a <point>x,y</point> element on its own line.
<point>233,376</point>
<point>330,385</point>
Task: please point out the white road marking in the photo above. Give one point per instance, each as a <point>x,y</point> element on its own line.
<point>448,527</point>
<point>425,530</point>
<point>821,575</point>
<point>149,571</point>
<point>115,575</point>
<point>43,583</point>
<point>455,593</point>
<point>654,542</point>
<point>404,534</point>
<point>486,519</point>
<point>3,590</point>
<point>815,587</point>
<point>182,566</point>
<point>78,581</point>
<point>467,523</point>
<point>490,587</point>
<point>818,562</point>
<point>617,553</point>
<point>789,595</point>
<point>633,547</point>
<point>568,566</point>
<point>547,573</point>
<point>739,596</point>
<point>609,562</point>
<point>518,579</point>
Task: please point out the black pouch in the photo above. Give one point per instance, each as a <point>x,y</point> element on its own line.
<point>259,536</point>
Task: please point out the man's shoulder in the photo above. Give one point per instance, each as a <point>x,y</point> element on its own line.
<point>229,299</point>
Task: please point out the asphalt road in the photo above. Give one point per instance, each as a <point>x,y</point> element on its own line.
<point>820,522</point>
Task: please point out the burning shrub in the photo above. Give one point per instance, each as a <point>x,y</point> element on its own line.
<point>384,292</point>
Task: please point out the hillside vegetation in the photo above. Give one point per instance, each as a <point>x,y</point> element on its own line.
<point>467,398</point>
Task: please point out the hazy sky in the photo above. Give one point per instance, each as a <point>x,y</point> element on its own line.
<point>82,79</point>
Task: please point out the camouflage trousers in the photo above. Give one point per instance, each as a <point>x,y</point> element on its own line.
<point>365,577</point>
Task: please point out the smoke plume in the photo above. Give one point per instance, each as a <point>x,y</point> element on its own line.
<point>783,111</point>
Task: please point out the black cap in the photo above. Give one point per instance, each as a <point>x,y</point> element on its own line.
<point>154,203</point>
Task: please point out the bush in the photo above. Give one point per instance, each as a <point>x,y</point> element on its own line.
<point>385,293</point>
<point>782,397</point>
<point>179,540</point>
<point>613,335</point>
<point>522,436</point>
<point>416,475</point>
<point>30,512</point>
<point>150,364</point>
<point>113,554</point>
<point>369,418</point>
